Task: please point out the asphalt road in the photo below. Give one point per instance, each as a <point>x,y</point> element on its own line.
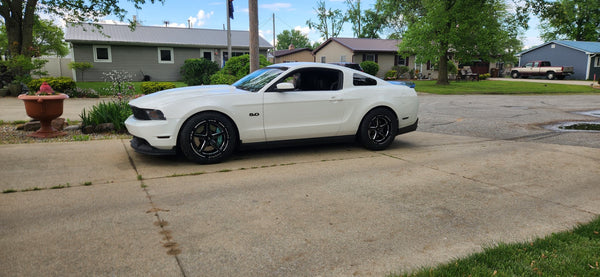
<point>506,117</point>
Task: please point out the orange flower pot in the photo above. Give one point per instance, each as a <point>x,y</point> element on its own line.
<point>44,108</point>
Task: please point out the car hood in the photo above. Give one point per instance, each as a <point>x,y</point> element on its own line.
<point>177,95</point>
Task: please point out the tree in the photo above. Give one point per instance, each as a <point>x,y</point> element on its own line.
<point>367,23</point>
<point>48,38</point>
<point>294,37</point>
<point>325,18</point>
<point>566,19</point>
<point>20,15</point>
<point>464,29</point>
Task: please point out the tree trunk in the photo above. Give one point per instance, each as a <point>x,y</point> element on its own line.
<point>443,70</point>
<point>19,19</point>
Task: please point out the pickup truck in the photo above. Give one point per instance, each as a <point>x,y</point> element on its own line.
<point>541,68</point>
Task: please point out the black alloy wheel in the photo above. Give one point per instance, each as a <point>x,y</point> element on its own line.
<point>208,138</point>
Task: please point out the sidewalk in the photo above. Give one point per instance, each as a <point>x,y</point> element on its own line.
<point>319,211</point>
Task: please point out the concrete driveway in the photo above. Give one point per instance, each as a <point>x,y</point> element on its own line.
<point>307,211</point>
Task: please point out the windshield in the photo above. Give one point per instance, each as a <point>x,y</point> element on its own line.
<point>258,79</point>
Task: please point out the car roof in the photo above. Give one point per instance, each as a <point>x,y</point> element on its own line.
<point>306,64</point>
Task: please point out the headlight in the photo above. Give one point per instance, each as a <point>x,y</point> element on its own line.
<point>147,114</point>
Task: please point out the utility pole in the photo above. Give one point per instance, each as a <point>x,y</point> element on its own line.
<point>274,47</point>
<point>254,60</point>
<point>228,32</point>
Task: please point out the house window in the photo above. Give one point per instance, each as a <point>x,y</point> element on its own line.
<point>102,54</point>
<point>343,58</point>
<point>597,63</point>
<point>401,61</point>
<point>323,59</point>
<point>370,57</point>
<point>207,55</point>
<point>165,55</point>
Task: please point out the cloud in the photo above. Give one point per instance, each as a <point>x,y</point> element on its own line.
<point>276,6</point>
<point>200,18</point>
<point>304,30</point>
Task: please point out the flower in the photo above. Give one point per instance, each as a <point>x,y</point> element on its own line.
<point>45,89</point>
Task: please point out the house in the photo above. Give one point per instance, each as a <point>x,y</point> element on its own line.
<point>356,50</point>
<point>157,52</point>
<point>293,54</point>
<point>584,56</point>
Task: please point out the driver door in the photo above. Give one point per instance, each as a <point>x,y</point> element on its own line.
<point>313,108</point>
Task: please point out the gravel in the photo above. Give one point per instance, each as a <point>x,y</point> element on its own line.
<point>10,135</point>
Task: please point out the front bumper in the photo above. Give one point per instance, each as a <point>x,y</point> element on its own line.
<point>142,146</point>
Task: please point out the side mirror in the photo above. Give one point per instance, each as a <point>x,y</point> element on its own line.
<point>285,87</point>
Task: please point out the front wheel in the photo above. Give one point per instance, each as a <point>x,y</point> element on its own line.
<point>208,138</point>
<point>378,129</point>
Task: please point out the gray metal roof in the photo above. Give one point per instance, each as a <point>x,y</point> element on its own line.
<point>158,36</point>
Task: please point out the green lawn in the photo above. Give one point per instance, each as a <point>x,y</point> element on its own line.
<point>571,253</point>
<point>502,87</point>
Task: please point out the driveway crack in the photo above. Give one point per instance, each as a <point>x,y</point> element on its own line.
<point>167,239</point>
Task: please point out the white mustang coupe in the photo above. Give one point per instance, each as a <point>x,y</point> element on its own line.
<point>291,102</point>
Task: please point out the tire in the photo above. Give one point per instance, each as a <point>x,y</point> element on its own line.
<point>515,74</point>
<point>550,75</point>
<point>208,138</point>
<point>378,129</point>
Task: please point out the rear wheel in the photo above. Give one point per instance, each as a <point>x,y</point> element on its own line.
<point>550,75</point>
<point>515,74</point>
<point>208,138</point>
<point>378,129</point>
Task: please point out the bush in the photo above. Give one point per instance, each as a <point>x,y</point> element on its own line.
<point>58,84</point>
<point>240,66</point>
<point>370,67</point>
<point>222,79</point>
<point>82,93</point>
<point>391,74</point>
<point>115,112</point>
<point>484,76</point>
<point>152,87</point>
<point>198,71</point>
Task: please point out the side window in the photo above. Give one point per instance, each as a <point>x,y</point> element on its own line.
<point>314,80</point>
<point>362,80</point>
<point>102,54</point>
<point>528,64</point>
<point>165,55</point>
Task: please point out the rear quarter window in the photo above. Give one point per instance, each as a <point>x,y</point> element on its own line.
<point>363,80</point>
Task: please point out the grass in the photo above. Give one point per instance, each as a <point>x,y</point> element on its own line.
<point>570,253</point>
<point>100,86</point>
<point>502,87</point>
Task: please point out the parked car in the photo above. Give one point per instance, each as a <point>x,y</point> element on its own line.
<point>354,66</point>
<point>281,103</point>
<point>541,68</point>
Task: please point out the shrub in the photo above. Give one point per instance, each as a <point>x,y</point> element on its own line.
<point>370,67</point>
<point>82,93</point>
<point>152,87</point>
<point>198,71</point>
<point>120,84</point>
<point>484,76</point>
<point>222,79</point>
<point>391,74</point>
<point>240,66</point>
<point>115,112</point>
<point>58,84</point>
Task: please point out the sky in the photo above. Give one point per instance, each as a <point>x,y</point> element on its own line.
<point>211,14</point>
